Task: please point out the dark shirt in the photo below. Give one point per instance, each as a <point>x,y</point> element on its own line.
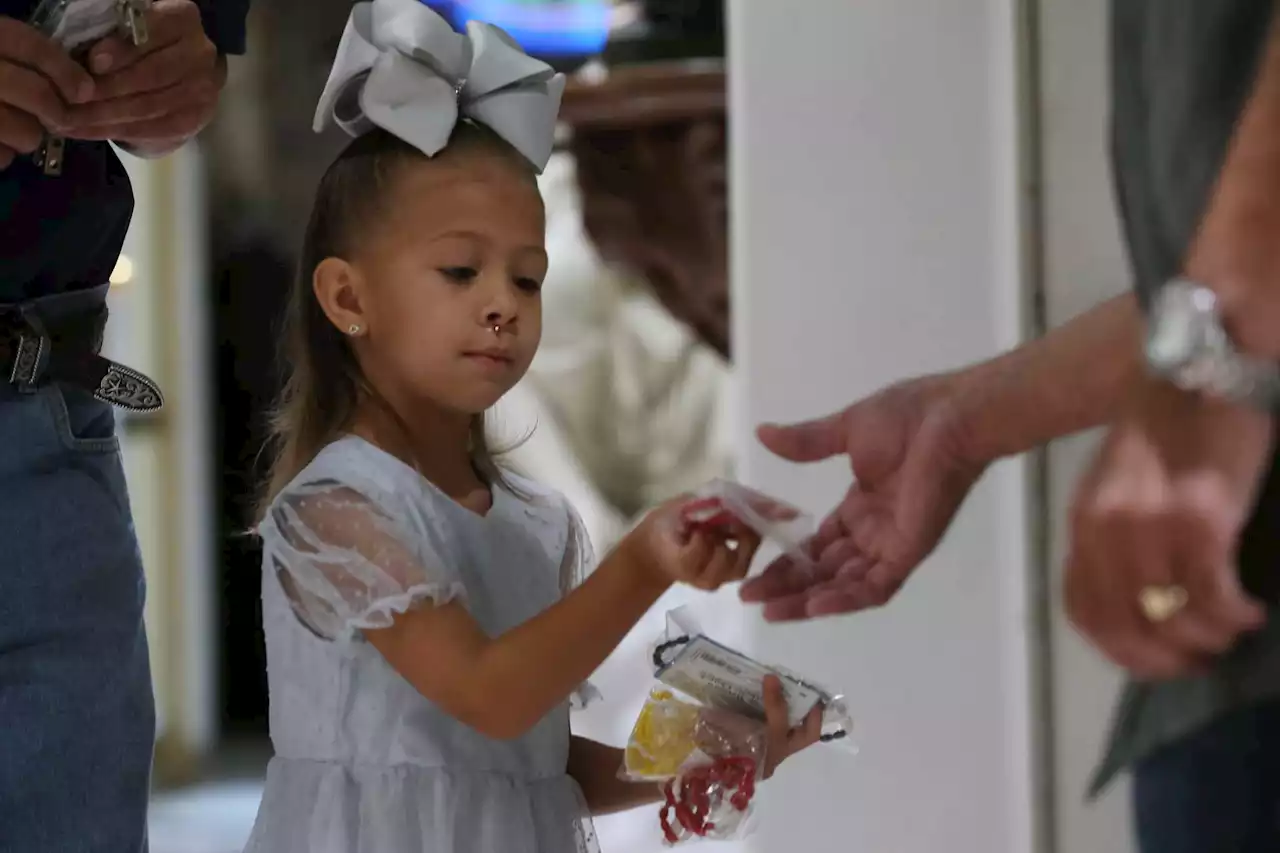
<point>1182,72</point>
<point>64,232</point>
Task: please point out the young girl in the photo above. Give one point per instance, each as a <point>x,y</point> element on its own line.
<point>425,626</point>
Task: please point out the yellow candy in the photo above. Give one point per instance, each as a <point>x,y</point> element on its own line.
<point>663,737</point>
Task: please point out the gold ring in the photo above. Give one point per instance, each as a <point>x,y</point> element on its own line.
<point>1162,603</point>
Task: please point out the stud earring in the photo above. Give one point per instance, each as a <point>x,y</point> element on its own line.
<point>353,329</point>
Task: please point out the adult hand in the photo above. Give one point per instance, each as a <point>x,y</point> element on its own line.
<point>153,98</point>
<point>37,82</point>
<point>1162,509</point>
<point>911,475</point>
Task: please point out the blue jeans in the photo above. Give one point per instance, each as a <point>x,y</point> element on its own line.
<point>77,715</point>
<point>1216,791</point>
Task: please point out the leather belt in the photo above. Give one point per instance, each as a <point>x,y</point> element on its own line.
<point>33,354</point>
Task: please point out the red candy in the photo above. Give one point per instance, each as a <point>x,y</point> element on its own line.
<point>689,797</point>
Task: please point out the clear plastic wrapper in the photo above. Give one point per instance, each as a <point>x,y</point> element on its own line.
<point>688,661</point>
<point>702,735</point>
<point>708,762</point>
<point>75,24</point>
<point>775,520</point>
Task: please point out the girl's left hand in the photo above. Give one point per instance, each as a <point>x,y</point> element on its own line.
<point>784,741</point>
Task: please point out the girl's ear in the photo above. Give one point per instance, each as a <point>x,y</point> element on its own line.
<point>339,288</point>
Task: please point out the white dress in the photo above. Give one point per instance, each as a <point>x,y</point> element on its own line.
<point>364,763</point>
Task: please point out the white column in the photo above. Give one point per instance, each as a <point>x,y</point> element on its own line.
<point>876,235</point>
<point>1085,263</point>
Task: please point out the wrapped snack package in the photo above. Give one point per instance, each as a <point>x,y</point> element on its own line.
<point>707,760</point>
<point>710,673</point>
<point>701,733</point>
<point>776,521</point>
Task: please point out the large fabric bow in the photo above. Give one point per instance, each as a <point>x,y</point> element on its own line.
<point>401,67</point>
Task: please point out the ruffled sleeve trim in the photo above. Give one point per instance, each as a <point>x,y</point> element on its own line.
<point>383,612</point>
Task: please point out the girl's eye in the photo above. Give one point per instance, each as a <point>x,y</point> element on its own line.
<point>461,275</point>
<point>530,285</point>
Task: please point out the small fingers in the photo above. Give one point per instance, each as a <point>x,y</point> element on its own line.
<point>776,715</point>
<point>748,544</point>
<point>808,732</point>
<point>712,563</point>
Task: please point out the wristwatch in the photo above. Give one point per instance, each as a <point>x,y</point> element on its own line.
<point>1187,346</point>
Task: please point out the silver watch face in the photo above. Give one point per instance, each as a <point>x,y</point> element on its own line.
<point>1182,327</point>
<point>1187,346</point>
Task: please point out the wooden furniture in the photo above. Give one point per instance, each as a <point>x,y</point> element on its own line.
<point>650,144</point>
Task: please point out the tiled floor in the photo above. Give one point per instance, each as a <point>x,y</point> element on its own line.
<point>213,818</point>
<point>216,816</point>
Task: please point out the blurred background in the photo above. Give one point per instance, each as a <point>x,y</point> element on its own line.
<point>912,186</point>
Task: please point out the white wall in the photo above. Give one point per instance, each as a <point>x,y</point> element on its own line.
<point>876,236</point>
<point>1084,263</point>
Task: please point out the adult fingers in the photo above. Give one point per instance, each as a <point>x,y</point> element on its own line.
<point>861,584</point>
<point>168,22</point>
<point>807,441</point>
<point>179,125</point>
<point>19,132</point>
<point>23,45</point>
<point>32,93</point>
<point>781,578</point>
<point>168,66</point>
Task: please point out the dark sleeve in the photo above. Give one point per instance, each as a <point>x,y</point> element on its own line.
<point>224,22</point>
<point>1183,71</point>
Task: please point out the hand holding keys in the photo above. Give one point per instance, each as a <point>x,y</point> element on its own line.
<point>72,25</point>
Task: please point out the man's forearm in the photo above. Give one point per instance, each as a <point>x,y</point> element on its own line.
<point>1072,379</point>
<point>1236,251</point>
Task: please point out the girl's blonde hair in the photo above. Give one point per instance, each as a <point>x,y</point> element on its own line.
<point>323,382</point>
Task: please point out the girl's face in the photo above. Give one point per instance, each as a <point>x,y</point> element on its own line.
<point>445,287</point>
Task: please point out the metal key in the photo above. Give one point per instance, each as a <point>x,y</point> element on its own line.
<point>133,15</point>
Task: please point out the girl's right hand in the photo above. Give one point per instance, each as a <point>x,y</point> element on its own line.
<point>669,548</point>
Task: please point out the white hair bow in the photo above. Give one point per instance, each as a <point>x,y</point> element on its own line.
<point>402,68</point>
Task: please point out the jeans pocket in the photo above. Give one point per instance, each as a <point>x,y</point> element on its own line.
<point>83,423</point>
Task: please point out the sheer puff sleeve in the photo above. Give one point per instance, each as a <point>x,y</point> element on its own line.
<point>348,562</point>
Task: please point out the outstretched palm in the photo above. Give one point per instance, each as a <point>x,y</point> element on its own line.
<point>909,479</point>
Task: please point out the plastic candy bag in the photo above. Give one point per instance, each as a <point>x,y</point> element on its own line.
<point>774,520</point>
<point>691,663</point>
<point>708,761</point>
<point>702,732</point>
